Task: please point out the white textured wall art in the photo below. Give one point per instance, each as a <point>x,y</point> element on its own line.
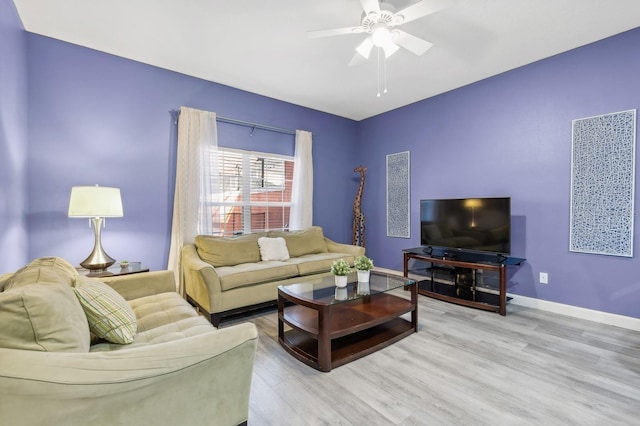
<point>602,184</point>
<point>398,195</point>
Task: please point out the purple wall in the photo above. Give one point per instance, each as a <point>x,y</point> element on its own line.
<point>99,119</point>
<point>13,139</point>
<point>96,118</point>
<point>510,135</point>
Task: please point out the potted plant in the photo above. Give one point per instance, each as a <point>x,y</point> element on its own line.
<point>340,268</point>
<point>364,265</point>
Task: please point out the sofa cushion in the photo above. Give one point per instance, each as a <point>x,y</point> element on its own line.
<point>254,273</point>
<point>307,241</point>
<point>43,317</point>
<point>110,316</point>
<point>273,248</point>
<point>228,251</point>
<point>43,269</point>
<point>161,318</point>
<point>318,262</point>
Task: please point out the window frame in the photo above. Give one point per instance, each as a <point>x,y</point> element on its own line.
<point>215,200</point>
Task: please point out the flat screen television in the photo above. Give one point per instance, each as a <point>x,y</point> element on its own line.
<point>467,224</point>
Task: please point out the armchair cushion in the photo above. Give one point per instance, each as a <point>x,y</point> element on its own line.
<point>161,318</point>
<point>44,269</point>
<point>43,317</point>
<point>110,316</point>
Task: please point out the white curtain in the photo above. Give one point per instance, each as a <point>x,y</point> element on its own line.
<point>301,215</point>
<point>197,146</point>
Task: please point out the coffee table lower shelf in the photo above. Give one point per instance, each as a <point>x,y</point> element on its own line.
<point>347,348</point>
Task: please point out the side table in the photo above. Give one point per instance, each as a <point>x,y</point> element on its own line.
<point>115,270</point>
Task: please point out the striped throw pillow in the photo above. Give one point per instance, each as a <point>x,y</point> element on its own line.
<point>110,316</point>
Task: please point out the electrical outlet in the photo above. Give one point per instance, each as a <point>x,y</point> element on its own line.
<point>544,278</point>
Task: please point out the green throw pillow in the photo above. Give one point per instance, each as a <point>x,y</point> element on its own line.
<point>110,316</point>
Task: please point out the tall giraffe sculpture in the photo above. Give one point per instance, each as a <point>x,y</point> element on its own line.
<point>357,235</point>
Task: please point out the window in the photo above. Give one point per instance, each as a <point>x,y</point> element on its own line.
<point>251,193</point>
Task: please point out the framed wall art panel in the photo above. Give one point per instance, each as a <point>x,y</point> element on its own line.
<point>398,195</point>
<point>602,184</point>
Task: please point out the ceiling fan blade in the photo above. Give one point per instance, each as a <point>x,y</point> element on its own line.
<point>410,42</point>
<point>364,48</point>
<point>335,32</point>
<point>417,10</point>
<point>370,6</point>
<point>390,48</point>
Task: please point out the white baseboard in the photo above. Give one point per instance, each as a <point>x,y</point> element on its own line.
<point>577,312</point>
<point>616,320</point>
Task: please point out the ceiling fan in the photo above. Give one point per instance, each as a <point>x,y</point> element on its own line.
<point>380,20</point>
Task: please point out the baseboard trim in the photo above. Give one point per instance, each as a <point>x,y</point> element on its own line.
<point>616,320</point>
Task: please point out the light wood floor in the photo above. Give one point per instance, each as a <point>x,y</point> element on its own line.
<point>463,367</point>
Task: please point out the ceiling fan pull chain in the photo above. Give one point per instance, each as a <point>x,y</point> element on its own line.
<point>378,70</point>
<point>385,74</point>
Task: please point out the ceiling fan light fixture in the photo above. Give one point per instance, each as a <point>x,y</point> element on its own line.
<point>379,20</point>
<point>381,35</point>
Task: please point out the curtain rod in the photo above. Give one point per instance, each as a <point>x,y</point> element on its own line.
<point>253,126</point>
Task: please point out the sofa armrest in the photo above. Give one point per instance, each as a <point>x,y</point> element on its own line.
<point>203,379</point>
<point>335,247</point>
<point>201,282</point>
<point>134,286</point>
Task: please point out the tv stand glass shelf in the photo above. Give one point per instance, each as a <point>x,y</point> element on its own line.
<point>478,280</point>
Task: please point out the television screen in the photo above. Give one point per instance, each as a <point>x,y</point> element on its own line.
<point>473,224</point>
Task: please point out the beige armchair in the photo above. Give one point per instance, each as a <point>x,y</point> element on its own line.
<point>179,370</point>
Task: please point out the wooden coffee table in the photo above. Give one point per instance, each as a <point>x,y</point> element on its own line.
<point>330,326</point>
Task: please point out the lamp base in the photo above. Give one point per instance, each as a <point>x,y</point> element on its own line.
<point>98,259</point>
<point>93,265</point>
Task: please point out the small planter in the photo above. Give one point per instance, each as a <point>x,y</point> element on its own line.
<point>341,280</point>
<point>364,265</point>
<point>363,276</point>
<point>340,269</point>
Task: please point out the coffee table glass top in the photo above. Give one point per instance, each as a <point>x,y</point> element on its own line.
<point>323,291</point>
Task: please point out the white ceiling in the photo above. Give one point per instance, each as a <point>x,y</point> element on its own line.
<point>261,46</point>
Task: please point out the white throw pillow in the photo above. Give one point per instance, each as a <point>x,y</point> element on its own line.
<point>273,248</point>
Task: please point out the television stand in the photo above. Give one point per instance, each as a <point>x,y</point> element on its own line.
<point>476,280</point>
<point>450,255</point>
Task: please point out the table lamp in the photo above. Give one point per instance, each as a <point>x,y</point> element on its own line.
<point>96,203</point>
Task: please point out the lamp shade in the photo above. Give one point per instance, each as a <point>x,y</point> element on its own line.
<point>95,201</point>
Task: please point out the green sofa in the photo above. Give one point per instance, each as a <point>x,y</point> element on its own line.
<point>176,369</point>
<point>224,276</point>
